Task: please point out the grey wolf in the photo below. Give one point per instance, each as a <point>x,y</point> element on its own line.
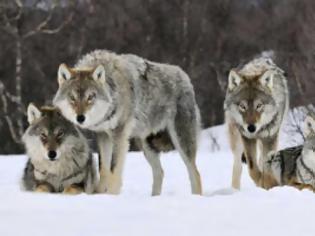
<point>294,166</point>
<point>256,102</point>
<point>59,157</point>
<point>124,96</point>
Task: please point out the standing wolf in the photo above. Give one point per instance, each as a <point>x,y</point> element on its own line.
<point>255,105</point>
<point>124,96</point>
<point>59,156</point>
<point>295,166</point>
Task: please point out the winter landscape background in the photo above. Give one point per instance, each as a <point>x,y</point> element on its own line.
<point>206,38</point>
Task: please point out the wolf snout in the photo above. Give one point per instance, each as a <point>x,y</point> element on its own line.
<point>80,119</point>
<point>52,155</point>
<point>251,128</point>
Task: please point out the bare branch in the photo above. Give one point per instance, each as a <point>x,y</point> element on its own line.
<point>42,24</point>
<point>16,136</point>
<point>60,27</point>
<point>20,10</point>
<point>8,27</point>
<point>10,96</point>
<point>40,28</point>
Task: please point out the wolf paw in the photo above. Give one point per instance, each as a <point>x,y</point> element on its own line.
<point>111,186</point>
<point>101,188</point>
<point>72,190</point>
<point>114,185</point>
<point>42,188</point>
<point>113,190</point>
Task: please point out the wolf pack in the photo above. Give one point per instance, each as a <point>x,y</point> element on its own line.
<point>124,97</point>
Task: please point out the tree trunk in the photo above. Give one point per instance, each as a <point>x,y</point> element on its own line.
<point>18,86</point>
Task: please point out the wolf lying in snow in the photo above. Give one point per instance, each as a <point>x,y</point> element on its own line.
<point>294,166</point>
<point>59,156</point>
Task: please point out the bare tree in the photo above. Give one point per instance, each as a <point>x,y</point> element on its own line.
<point>12,13</point>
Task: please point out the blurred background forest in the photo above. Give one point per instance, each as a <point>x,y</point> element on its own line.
<point>205,37</point>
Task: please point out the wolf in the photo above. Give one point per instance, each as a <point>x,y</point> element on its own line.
<point>256,102</point>
<point>59,156</point>
<point>125,96</point>
<point>295,166</point>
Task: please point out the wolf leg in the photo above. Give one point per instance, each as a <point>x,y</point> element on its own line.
<point>121,145</point>
<point>267,145</point>
<point>153,158</point>
<point>105,146</point>
<point>237,150</point>
<point>73,189</point>
<point>184,131</point>
<point>250,148</point>
<point>90,180</point>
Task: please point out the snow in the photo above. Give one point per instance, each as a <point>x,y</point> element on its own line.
<point>220,211</point>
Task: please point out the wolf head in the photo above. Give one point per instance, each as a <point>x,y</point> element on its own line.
<point>250,101</point>
<point>309,135</point>
<point>48,134</point>
<point>83,95</point>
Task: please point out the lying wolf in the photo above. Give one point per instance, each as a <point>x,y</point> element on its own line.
<point>294,166</point>
<point>59,156</point>
<point>124,96</point>
<point>256,103</point>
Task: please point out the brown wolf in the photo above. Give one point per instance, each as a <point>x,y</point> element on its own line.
<point>256,102</point>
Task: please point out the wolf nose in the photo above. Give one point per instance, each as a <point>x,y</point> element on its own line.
<point>52,155</point>
<point>80,118</point>
<point>251,128</point>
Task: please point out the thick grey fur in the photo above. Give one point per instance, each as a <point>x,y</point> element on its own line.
<point>148,98</point>
<point>75,165</point>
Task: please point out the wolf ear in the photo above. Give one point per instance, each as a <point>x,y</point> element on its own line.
<point>234,80</point>
<point>33,113</point>
<point>99,74</point>
<point>267,79</point>
<point>64,74</point>
<point>309,126</point>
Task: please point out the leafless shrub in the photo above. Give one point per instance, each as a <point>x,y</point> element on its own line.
<point>295,121</point>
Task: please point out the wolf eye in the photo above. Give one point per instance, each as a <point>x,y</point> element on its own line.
<point>43,137</point>
<point>60,134</point>
<point>242,107</point>
<point>91,97</point>
<point>72,98</point>
<point>259,106</point>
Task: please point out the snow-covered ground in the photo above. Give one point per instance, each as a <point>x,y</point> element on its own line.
<point>220,211</point>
